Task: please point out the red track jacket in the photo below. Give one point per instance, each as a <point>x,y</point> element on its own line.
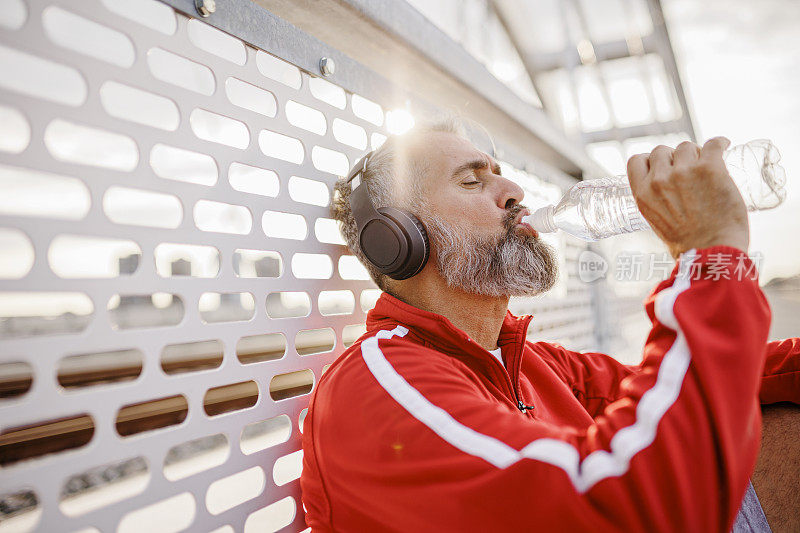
<point>417,428</point>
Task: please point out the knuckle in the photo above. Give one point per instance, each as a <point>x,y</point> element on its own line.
<point>662,148</point>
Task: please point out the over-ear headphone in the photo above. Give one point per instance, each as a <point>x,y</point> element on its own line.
<point>393,240</point>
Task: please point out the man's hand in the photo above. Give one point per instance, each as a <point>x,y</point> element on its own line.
<point>688,197</point>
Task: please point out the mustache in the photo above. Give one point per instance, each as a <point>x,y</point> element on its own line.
<point>511,215</point>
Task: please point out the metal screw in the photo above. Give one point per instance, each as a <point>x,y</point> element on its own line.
<point>205,7</point>
<point>327,66</point>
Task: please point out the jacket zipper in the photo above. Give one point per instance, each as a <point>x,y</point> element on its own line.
<point>514,380</point>
<point>514,388</point>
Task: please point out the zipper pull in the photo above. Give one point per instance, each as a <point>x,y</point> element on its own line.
<point>522,407</point>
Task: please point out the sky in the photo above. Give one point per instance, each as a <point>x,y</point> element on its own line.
<point>740,65</point>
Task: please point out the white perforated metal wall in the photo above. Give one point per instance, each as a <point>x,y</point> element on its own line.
<point>171,284</point>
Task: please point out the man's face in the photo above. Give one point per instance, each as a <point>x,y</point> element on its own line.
<point>471,213</point>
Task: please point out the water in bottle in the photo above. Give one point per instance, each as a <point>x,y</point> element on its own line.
<point>600,208</point>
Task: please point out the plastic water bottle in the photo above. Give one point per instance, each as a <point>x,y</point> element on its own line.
<point>595,209</point>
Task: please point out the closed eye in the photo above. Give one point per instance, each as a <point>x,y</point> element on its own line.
<point>470,183</point>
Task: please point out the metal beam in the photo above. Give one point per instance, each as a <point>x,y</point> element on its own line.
<point>603,51</point>
<point>632,132</point>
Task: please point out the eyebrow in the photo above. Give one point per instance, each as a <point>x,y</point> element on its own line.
<point>476,164</point>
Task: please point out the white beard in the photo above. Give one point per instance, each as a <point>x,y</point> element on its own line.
<point>509,265</point>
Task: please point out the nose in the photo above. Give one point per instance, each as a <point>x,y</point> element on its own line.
<point>510,194</point>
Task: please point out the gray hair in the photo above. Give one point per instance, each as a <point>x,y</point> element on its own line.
<point>386,188</point>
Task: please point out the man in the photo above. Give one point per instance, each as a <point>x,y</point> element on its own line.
<point>443,417</point>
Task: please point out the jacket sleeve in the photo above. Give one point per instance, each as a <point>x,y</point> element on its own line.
<point>596,378</point>
<point>781,379</point>
<point>674,452</point>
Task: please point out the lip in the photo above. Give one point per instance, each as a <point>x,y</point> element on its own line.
<point>525,225</point>
<point>521,214</point>
<point>528,228</point>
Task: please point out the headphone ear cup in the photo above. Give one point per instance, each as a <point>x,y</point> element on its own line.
<point>418,244</point>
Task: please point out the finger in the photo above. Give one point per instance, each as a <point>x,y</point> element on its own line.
<point>685,154</point>
<point>638,167</point>
<point>661,160</point>
<point>713,149</point>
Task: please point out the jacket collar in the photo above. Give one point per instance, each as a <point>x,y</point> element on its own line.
<point>437,330</point>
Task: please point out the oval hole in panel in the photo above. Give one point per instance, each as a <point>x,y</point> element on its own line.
<point>193,260</point>
<point>104,485</point>
<point>150,13</point>
<point>195,456</point>
<point>14,16</point>
<point>26,314</point>
<point>22,509</point>
<point>301,419</point>
<point>180,71</point>
<point>309,191</point>
<point>291,384</point>
<point>327,230</point>
<point>216,42</point>
<point>78,256</point>
<point>368,299</point>
<point>306,118</point>
<point>15,132</point>
<point>33,76</point>
<point>219,129</point>
<point>18,255</point>
<point>349,134</point>
<point>228,398</point>
<point>336,302</point>
<point>183,165</point>
<point>191,356</point>
<point>16,379</point>
<point>75,143</point>
<point>258,348</point>
<point>288,304</point>
<point>281,147</point>
<point>278,69</point>
<point>367,109</point>
<point>222,218</point>
<point>142,208</point>
<point>314,341</point>
<point>312,266</point>
<point>284,225</point>
<point>142,107</point>
<point>265,434</point>
<point>351,333</point>
<point>327,92</point>
<point>257,264</point>
<point>248,96</point>
<point>87,37</point>
<point>328,160</point>
<point>351,268</point>
<point>145,311</point>
<point>42,438</point>
<point>40,194</point>
<point>233,490</point>
<point>175,513</point>
<point>273,517</point>
<point>287,468</point>
<point>152,414</point>
<point>253,180</point>
<point>99,368</point>
<point>226,307</point>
